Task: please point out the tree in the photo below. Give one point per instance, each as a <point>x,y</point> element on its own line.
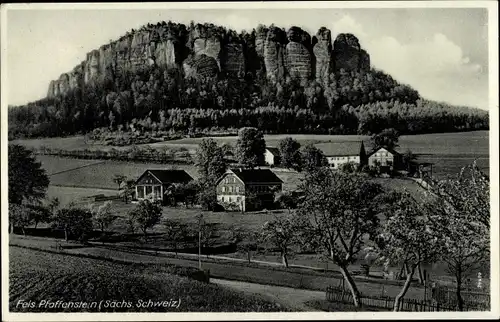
<point>290,156</point>
<point>76,222</point>
<point>102,215</point>
<point>348,167</point>
<point>283,232</point>
<point>408,237</point>
<point>245,240</point>
<point>128,190</point>
<point>250,147</point>
<point>28,181</point>
<point>388,138</point>
<point>207,198</point>
<point>146,215</point>
<point>342,210</point>
<point>312,158</point>
<point>38,214</point>
<point>176,232</point>
<point>19,217</point>
<point>460,213</point>
<point>408,158</point>
<point>288,199</point>
<point>210,160</point>
<point>119,179</point>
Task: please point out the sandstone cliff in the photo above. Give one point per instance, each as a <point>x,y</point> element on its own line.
<point>208,51</point>
<point>323,54</point>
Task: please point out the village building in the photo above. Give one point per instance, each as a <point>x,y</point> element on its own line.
<point>247,189</point>
<point>385,158</point>
<point>339,153</point>
<point>154,184</point>
<point>272,156</point>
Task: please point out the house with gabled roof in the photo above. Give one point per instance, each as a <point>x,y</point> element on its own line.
<point>154,184</point>
<point>385,158</point>
<point>272,155</point>
<point>339,153</point>
<point>248,189</point>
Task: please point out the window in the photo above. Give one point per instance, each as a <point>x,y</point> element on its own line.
<point>238,189</point>
<point>238,199</point>
<point>223,190</point>
<point>157,190</point>
<point>140,192</point>
<point>230,189</point>
<point>149,190</point>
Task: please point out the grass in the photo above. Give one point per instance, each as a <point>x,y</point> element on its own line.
<point>76,194</point>
<point>35,276</point>
<point>449,151</point>
<point>100,174</point>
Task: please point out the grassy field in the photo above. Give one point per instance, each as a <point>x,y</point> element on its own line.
<point>36,276</point>
<point>448,151</point>
<point>99,174</point>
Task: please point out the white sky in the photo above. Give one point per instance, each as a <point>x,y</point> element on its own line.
<point>443,53</point>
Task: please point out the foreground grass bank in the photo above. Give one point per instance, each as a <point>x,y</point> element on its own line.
<point>36,276</point>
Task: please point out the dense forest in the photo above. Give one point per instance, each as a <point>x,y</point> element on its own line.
<point>161,98</point>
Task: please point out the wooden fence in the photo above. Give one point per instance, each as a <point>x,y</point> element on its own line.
<point>339,294</point>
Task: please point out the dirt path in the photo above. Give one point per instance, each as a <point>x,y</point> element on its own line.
<point>289,297</point>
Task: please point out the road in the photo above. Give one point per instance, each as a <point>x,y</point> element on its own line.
<point>292,298</point>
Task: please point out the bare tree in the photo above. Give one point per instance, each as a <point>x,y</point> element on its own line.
<point>342,212</point>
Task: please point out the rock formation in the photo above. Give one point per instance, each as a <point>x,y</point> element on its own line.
<point>348,53</point>
<point>233,55</point>
<point>298,54</point>
<point>274,54</point>
<point>208,50</point>
<point>323,53</point>
<point>200,65</point>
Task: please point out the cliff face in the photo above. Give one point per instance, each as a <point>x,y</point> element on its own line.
<point>348,53</point>
<point>274,54</point>
<point>298,54</point>
<point>208,51</point>
<point>323,54</point>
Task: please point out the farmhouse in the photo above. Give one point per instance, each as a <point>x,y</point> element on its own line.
<point>343,152</point>
<point>387,159</point>
<point>247,189</point>
<point>154,183</point>
<point>272,156</point>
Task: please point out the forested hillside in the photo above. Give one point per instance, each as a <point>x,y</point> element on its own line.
<point>203,78</point>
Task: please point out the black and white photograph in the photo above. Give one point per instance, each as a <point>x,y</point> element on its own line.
<point>318,160</point>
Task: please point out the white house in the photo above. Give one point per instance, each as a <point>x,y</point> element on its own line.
<point>272,156</point>
<point>339,153</point>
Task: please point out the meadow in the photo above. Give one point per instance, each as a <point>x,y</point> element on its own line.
<point>448,151</point>
<point>36,276</point>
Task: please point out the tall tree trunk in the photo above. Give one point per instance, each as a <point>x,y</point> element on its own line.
<point>11,228</point>
<point>284,258</point>
<point>420,274</point>
<point>352,285</point>
<point>66,234</point>
<point>400,296</point>
<point>24,231</point>
<point>36,224</point>
<point>458,276</point>
<point>249,256</point>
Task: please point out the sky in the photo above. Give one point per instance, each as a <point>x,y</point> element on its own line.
<point>442,53</point>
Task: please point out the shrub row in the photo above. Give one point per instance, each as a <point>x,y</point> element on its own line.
<point>165,155</point>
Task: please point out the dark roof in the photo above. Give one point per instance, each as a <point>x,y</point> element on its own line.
<point>274,151</point>
<point>256,175</point>
<point>169,176</point>
<point>346,148</point>
<point>383,147</point>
